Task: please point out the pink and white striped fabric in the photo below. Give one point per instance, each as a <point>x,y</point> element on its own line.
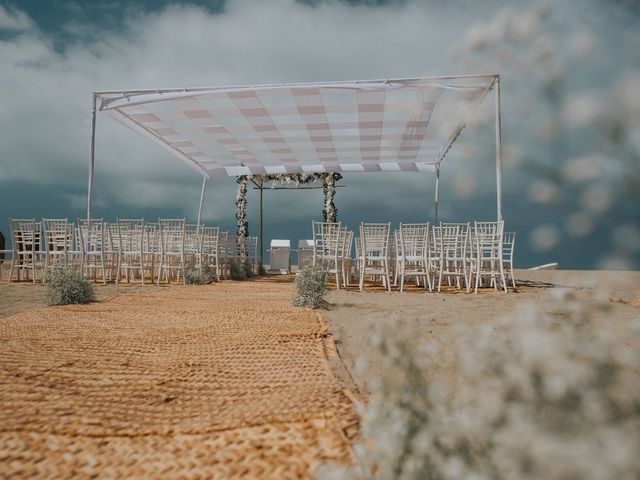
<point>397,125</point>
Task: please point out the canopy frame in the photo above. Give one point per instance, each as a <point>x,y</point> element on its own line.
<point>494,84</point>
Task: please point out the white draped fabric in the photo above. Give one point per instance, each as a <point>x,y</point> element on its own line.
<point>386,125</point>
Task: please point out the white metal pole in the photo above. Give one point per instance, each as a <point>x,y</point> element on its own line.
<point>204,184</point>
<point>437,202</point>
<point>498,150</point>
<point>92,159</point>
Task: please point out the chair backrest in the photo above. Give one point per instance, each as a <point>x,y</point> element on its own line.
<point>193,235</point>
<point>508,245</point>
<point>342,242</point>
<point>414,240</point>
<point>348,249</point>
<point>252,248</point>
<point>111,236</point>
<point>232,248</point>
<point>395,249</point>
<point>130,235</point>
<point>25,234</point>
<point>91,235</point>
<point>375,240</point>
<point>222,244</point>
<point>172,235</point>
<point>210,237</point>
<point>326,239</point>
<point>454,239</point>
<point>151,238</point>
<point>58,234</point>
<point>488,238</point>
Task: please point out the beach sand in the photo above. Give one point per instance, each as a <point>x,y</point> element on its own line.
<point>353,316</point>
<point>185,377</point>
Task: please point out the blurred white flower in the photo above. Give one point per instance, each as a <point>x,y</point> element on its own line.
<point>580,224</point>
<point>627,92</point>
<point>584,169</point>
<point>544,237</point>
<point>596,198</point>
<point>537,396</point>
<point>464,185</point>
<point>545,192</point>
<point>627,238</point>
<point>582,110</point>
<point>582,43</point>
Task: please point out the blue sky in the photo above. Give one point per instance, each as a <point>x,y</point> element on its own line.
<point>54,54</point>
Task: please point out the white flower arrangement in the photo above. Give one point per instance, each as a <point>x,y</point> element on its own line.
<point>330,212</point>
<point>537,396</point>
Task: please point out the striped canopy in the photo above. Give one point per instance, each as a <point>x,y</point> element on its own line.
<point>364,126</point>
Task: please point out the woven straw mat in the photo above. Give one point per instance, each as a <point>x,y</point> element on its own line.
<point>219,381</point>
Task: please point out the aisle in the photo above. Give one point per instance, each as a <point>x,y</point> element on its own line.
<point>226,380</point>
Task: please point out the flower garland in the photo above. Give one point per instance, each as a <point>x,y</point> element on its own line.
<point>330,212</point>
<point>241,211</point>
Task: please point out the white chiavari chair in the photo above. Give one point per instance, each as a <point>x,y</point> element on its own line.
<point>375,252</point>
<point>151,251</point>
<point>222,253</point>
<point>327,249</point>
<point>193,244</point>
<point>394,248</point>
<point>130,249</point>
<point>488,261</point>
<point>172,238</point>
<point>413,258</point>
<point>252,253</point>
<point>91,244</point>
<point>347,261</point>
<point>26,245</point>
<point>211,249</point>
<point>453,244</point>
<point>58,242</point>
<point>508,247</point>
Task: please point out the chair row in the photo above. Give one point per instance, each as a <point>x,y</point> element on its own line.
<point>128,248</point>
<point>463,255</point>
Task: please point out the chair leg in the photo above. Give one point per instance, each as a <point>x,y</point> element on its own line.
<point>33,269</point>
<point>118,265</point>
<point>160,269</point>
<point>13,263</point>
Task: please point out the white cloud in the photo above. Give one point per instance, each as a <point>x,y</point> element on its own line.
<point>47,108</point>
<point>46,96</point>
<point>14,20</point>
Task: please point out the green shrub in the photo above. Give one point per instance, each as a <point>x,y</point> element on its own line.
<point>66,285</point>
<point>199,276</point>
<point>311,283</point>
<point>261,271</point>
<point>240,270</point>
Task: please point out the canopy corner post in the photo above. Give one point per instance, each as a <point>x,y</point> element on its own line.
<point>498,149</point>
<point>92,158</point>
<point>437,199</point>
<point>204,184</point>
<point>261,218</point>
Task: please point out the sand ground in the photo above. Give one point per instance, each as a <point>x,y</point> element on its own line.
<point>222,380</point>
<point>354,316</point>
